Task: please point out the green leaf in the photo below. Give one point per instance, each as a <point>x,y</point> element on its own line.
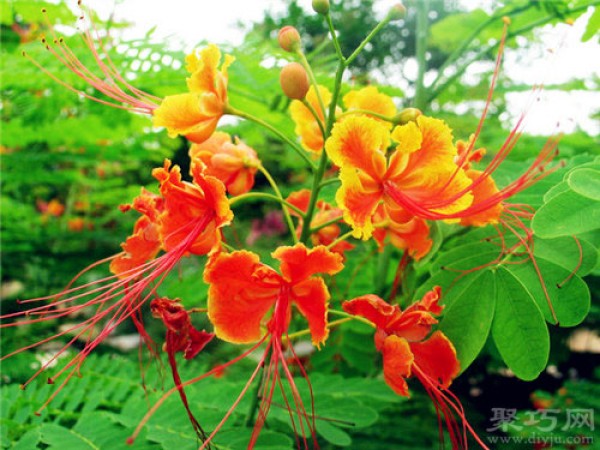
<point>468,319</point>
<point>570,301</point>
<point>519,329</point>
<point>566,214</point>
<point>585,182</point>
<point>592,26</point>
<point>333,434</point>
<point>565,252</point>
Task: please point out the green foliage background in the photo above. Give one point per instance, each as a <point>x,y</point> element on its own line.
<point>56,145</point>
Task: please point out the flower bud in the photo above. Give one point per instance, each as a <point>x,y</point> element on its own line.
<point>294,81</point>
<point>289,39</point>
<point>321,6</point>
<point>407,115</point>
<point>397,12</point>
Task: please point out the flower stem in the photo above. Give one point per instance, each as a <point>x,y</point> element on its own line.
<point>366,40</point>
<point>313,81</point>
<point>342,238</point>
<point>336,43</point>
<point>236,112</point>
<point>330,325</point>
<point>263,195</point>
<point>421,49</point>
<point>335,312</point>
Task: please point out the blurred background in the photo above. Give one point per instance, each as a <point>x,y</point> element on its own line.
<point>68,163</point>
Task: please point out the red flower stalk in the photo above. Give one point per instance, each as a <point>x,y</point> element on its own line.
<point>188,221</point>
<point>181,337</point>
<point>402,338</point>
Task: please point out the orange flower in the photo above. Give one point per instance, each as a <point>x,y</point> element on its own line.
<point>403,231</point>
<point>402,338</point>
<point>242,291</point>
<point>307,127</point>
<point>324,213</point>
<point>195,114</point>
<point>234,163</point>
<point>421,171</point>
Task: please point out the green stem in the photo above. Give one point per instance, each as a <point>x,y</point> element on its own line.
<point>330,325</point>
<point>313,81</point>
<point>286,212</point>
<point>381,273</point>
<point>326,224</point>
<point>328,182</point>
<point>366,40</point>
<point>315,115</point>
<point>336,43</point>
<point>342,238</point>
<point>368,113</point>
<point>421,50</point>
<point>236,112</point>
<point>335,312</point>
<point>264,196</point>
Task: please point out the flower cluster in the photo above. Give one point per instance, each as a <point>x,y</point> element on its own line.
<point>398,171</point>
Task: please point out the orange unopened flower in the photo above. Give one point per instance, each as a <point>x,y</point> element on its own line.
<point>234,163</point>
<point>324,213</point>
<point>195,114</point>
<point>54,207</point>
<point>307,126</point>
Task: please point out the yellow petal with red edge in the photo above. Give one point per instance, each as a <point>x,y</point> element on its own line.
<point>482,192</point>
<point>357,203</point>
<point>299,263</point>
<point>397,362</point>
<point>436,358</point>
<point>241,292</point>
<point>311,297</point>
<point>372,308</point>
<point>359,142</point>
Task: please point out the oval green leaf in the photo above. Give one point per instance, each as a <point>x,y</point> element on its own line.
<point>519,329</point>
<point>468,319</point>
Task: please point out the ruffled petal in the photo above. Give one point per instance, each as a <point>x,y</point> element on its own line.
<point>180,114</point>
<point>311,298</point>
<point>397,362</point>
<point>360,143</point>
<point>299,263</point>
<point>436,358</point>
<point>241,292</point>
<point>358,202</point>
<point>372,308</point>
